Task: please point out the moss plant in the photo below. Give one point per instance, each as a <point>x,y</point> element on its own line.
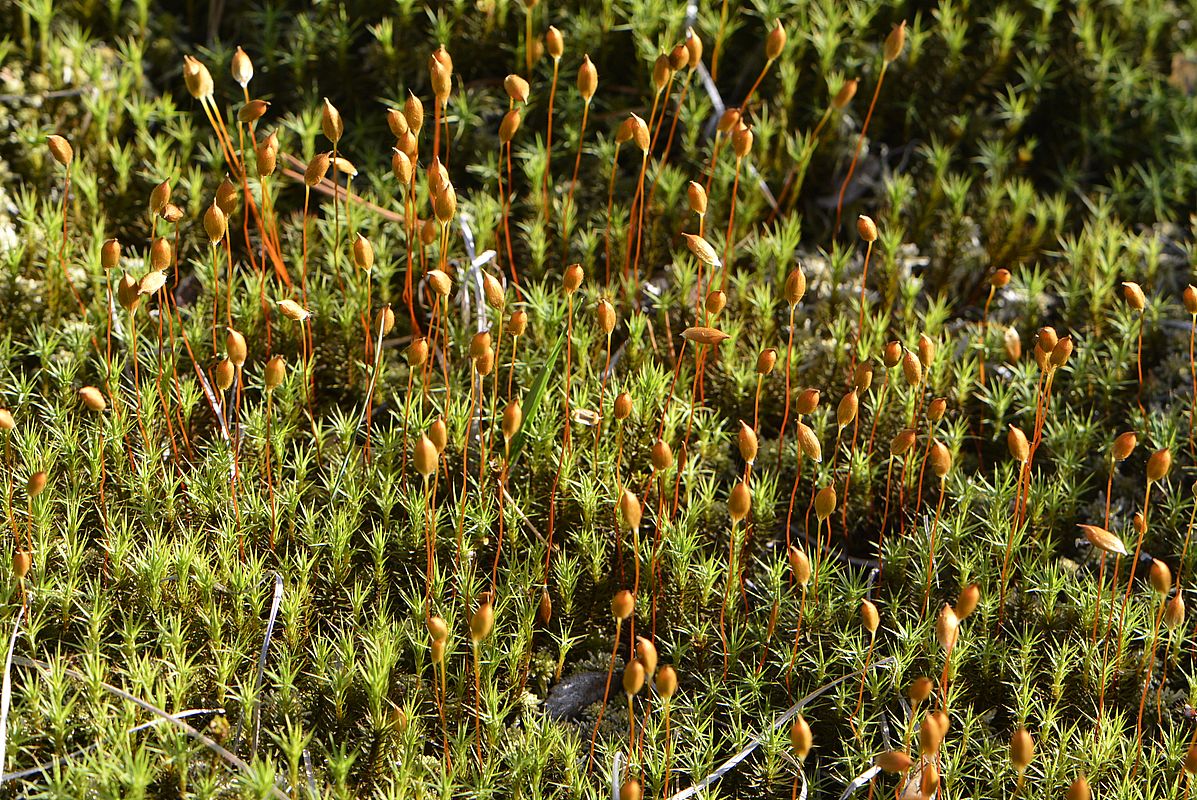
<point>293,496</point>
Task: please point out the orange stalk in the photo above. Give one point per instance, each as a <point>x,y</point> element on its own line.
<point>864,129</point>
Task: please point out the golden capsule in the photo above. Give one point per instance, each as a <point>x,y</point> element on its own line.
<point>93,398</point>
<point>426,457</point>
<point>60,149</point>
<point>895,42</point>
<point>483,621</point>
<point>739,502</point>
<point>587,79</point>
<point>622,604</point>
<point>867,228</point>
<point>274,373</point>
<point>630,511</point>
<point>1022,749</point>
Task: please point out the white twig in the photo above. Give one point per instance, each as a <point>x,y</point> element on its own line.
<point>791,712</point>
<point>206,741</point>
<point>274,606</point>
<point>46,766</point>
<point>6,691</point>
<point>859,781</point>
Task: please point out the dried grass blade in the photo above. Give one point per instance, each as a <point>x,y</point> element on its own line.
<point>46,766</point>
<point>274,607</point>
<point>206,741</point>
<point>735,760</point>
<point>6,691</point>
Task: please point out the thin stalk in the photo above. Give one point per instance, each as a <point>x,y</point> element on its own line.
<point>864,672</point>
<point>877,417</point>
<point>1105,649</point>
<point>62,247</point>
<point>309,374</point>
<point>445,122</point>
<point>1101,578</point>
<point>1184,552</point>
<point>501,493</point>
<point>367,349</point>
<point>654,567</point>
<point>797,637</point>
<point>409,215</point>
<point>573,184</point>
<point>1193,374</point>
<point>478,701</point>
<point>515,346</point>
<point>436,128</point>
<point>407,399</point>
<point>263,275</point>
<point>429,543</point>
<point>731,571</point>
<point>985,332</point>
<point>756,403</point>
<point>168,299</point>
<point>772,626</point>
<point>565,436</point>
<point>1130,583</point>
<point>931,553</point>
<point>216,296</point>
<point>639,230</point>
<point>103,500</point>
<point>864,277</point>
<point>606,693</point>
<point>515,277</point>
<point>137,376</point>
<point>444,696</point>
<point>610,204</point>
<point>303,275</point>
<point>635,581</point>
<point>923,463</point>
<point>889,471</point>
<point>618,494</point>
<point>943,680</point>
<point>664,157</point>
<point>864,129</point>
<point>631,728</point>
<point>1154,638</point>
<point>236,445</point>
<point>668,751</point>
<point>598,428</point>
<point>465,463</point>
<point>1139,367</point>
<point>752,90</point>
<point>700,286</point>
<point>8,472</point>
<point>785,416</point>
<point>731,223</point>
<point>719,140</point>
<point>269,470</point>
<point>445,349</point>
<point>902,492</point>
<point>164,397</point>
<point>848,474</point>
<point>719,42</point>
<point>548,147</point>
<point>685,449</point>
<point>793,495</point>
<point>228,305</point>
<point>108,318</point>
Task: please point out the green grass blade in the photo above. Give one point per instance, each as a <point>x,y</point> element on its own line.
<point>535,396</point>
